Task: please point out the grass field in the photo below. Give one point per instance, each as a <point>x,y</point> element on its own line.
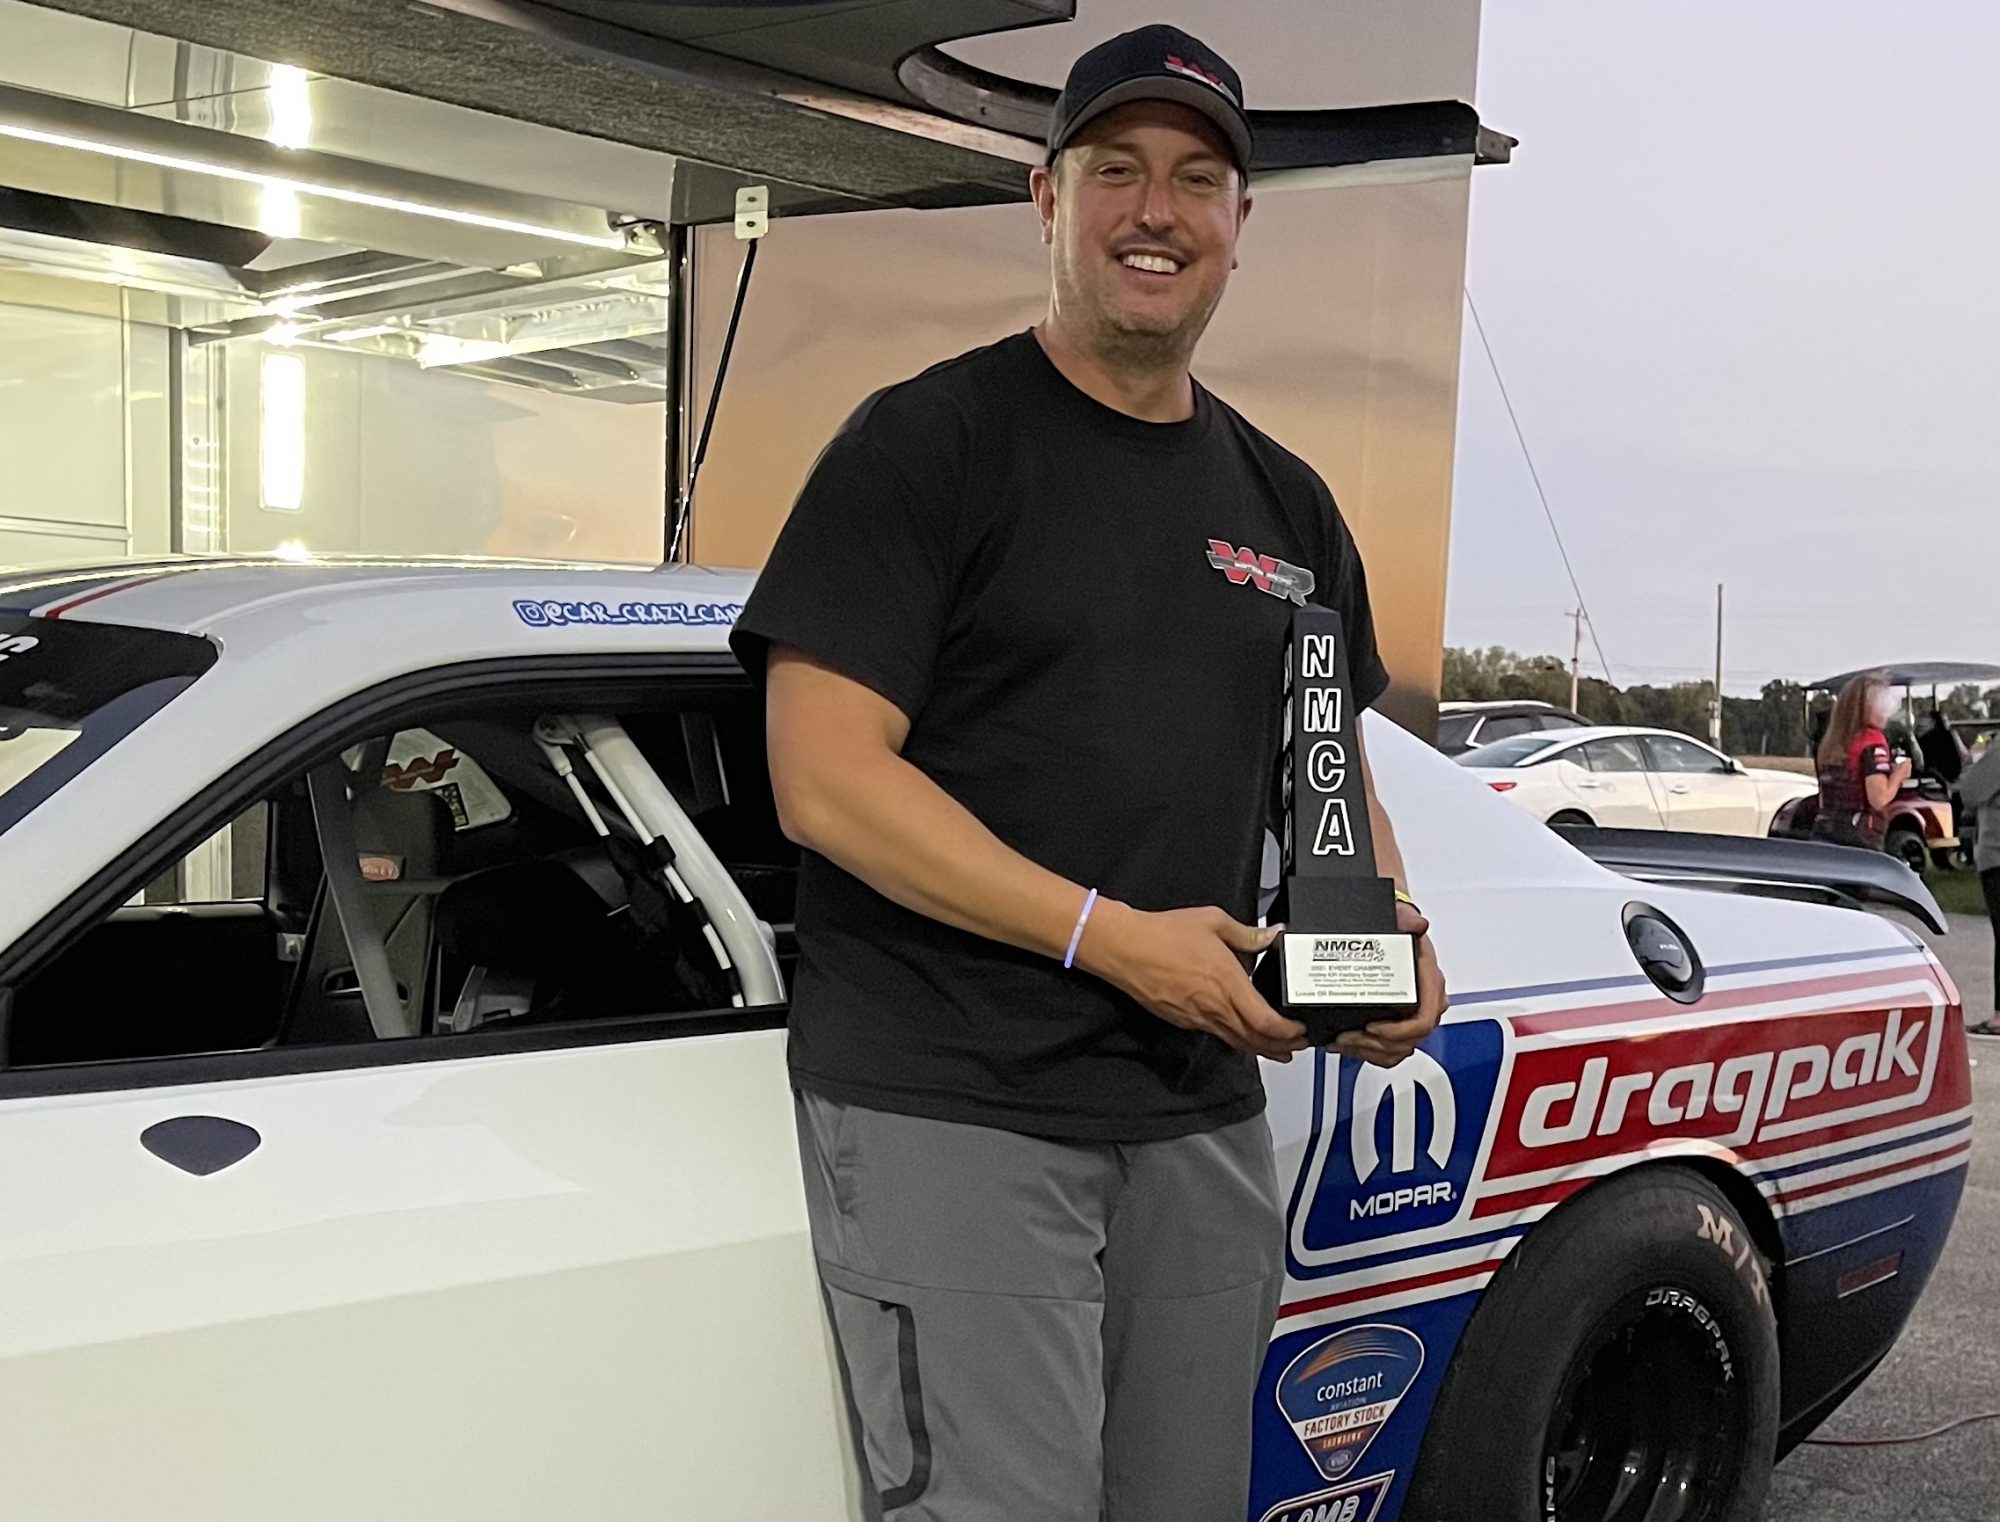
<point>1803,765</point>
<point>1956,892</point>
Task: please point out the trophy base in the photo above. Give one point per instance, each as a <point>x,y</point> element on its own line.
<point>1340,980</point>
<point>1335,981</point>
<point>1331,983</point>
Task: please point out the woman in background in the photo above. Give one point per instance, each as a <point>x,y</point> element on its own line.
<point>1857,778</point>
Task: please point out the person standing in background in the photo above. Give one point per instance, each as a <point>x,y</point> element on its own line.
<point>1857,778</point>
<point>1944,758</point>
<point>1980,790</point>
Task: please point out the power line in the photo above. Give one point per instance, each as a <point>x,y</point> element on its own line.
<point>1536,476</point>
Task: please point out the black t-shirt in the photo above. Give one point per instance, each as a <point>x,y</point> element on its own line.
<point>1083,616</point>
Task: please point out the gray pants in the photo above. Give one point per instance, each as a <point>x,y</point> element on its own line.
<point>1045,1331</point>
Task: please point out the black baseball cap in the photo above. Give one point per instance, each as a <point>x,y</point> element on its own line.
<point>1153,63</point>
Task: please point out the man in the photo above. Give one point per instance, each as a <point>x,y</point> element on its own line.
<point>1981,785</point>
<point>1942,751</point>
<point>1025,730</point>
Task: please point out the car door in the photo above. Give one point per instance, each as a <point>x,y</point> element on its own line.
<point>1703,791</point>
<point>553,1269</point>
<point>1557,783</point>
<point>1620,794</point>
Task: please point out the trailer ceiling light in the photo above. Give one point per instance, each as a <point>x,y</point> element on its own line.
<point>273,182</point>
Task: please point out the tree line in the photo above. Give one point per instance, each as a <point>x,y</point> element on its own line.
<point>1774,723</point>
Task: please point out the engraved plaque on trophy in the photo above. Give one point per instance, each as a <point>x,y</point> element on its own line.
<point>1341,962</point>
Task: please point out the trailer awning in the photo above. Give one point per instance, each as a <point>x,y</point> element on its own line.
<point>1916,674</point>
<point>852,100</point>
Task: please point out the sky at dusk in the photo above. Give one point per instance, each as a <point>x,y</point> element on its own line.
<point>1743,283</point>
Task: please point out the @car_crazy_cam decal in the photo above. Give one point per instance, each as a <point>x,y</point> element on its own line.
<point>547,613</point>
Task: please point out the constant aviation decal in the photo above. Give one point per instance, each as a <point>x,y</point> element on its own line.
<point>1340,1413</point>
<point>1340,1392</point>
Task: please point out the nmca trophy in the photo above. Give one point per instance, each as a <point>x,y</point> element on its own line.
<point>1341,962</point>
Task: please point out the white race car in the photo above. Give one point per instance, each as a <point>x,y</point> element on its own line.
<point>440,1164</point>
<point>1635,779</point>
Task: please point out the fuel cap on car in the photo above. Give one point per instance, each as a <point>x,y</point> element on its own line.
<point>1665,953</point>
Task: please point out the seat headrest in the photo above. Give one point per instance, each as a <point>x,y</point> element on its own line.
<point>413,826</point>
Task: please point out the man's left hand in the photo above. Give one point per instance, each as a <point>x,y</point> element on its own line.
<point>1388,1042</point>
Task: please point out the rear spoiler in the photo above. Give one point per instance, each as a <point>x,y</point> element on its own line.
<point>1808,870</point>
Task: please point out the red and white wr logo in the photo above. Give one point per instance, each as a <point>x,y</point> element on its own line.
<point>1279,578</point>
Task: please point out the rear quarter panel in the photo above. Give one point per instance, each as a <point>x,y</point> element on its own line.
<point>1822,1067</point>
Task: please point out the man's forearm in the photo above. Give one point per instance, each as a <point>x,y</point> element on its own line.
<point>880,818</point>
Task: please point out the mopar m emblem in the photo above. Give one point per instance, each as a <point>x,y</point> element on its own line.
<point>1393,1149</point>
<point>1397,1089</point>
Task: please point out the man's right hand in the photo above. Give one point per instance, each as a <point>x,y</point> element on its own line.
<point>1190,967</point>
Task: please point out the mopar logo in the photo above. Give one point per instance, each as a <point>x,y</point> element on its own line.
<point>1342,948</point>
<point>1393,1148</point>
<point>1413,1085</point>
<point>1395,1090</point>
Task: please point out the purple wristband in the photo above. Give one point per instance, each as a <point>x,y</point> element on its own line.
<point>1089,903</point>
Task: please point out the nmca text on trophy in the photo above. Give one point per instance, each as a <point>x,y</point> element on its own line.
<point>1343,948</point>
<point>1341,962</point>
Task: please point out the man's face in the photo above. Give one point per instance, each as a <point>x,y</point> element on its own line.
<point>1142,213</point>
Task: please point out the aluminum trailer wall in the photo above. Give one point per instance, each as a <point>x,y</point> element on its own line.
<point>1339,336</point>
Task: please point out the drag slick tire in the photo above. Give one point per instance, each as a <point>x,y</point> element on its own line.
<point>1621,1367</point>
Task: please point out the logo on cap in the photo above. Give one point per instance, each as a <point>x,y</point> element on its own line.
<point>1195,71</point>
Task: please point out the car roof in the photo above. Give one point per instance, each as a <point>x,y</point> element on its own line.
<point>458,608</point>
<point>1580,733</point>
<point>1489,705</point>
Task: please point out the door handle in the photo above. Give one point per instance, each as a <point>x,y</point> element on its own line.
<point>1679,787</point>
<point>200,1144</point>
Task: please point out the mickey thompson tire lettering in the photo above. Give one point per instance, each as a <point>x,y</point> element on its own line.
<point>1658,1249</point>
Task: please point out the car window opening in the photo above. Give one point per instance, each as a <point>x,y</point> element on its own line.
<point>499,869</point>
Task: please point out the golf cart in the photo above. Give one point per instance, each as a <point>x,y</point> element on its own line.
<point>1920,825</point>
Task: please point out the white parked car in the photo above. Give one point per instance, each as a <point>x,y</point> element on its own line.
<point>1637,779</point>
<point>438,1161</point>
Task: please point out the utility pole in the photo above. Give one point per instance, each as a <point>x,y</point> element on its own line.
<point>1575,658</point>
<point>1715,710</point>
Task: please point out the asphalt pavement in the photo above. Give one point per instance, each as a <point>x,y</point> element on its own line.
<point>1947,1364</point>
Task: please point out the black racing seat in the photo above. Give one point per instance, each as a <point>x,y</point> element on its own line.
<point>761,861</point>
<point>561,952</point>
<point>406,834</point>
